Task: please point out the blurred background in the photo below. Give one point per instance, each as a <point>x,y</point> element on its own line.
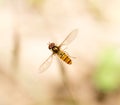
<point>26,28</point>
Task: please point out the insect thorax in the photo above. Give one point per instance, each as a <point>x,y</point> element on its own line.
<point>55,49</point>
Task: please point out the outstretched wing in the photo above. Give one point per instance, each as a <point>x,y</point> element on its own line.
<point>46,64</point>
<point>71,36</point>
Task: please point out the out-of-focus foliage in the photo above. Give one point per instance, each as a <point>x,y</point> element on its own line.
<point>16,50</point>
<point>107,75</point>
<point>36,3</point>
<point>63,93</point>
<point>95,10</point>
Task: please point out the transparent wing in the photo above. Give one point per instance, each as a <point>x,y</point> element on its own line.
<point>71,36</point>
<point>46,64</point>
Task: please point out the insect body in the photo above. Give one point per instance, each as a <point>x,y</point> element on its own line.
<point>56,50</point>
<point>61,54</point>
<point>64,57</point>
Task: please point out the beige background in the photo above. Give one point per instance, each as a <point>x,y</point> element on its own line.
<point>26,26</point>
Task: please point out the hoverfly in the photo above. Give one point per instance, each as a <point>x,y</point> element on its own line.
<point>56,50</point>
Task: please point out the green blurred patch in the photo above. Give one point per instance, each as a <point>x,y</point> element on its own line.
<point>107,75</point>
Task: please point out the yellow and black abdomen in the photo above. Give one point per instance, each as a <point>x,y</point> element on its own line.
<point>64,57</point>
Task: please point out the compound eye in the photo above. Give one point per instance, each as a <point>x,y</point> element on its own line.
<point>51,45</point>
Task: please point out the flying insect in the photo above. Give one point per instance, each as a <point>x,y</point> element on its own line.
<point>56,50</point>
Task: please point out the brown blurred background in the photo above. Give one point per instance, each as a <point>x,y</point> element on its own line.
<point>26,28</point>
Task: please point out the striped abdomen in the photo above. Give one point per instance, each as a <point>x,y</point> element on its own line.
<point>64,57</point>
